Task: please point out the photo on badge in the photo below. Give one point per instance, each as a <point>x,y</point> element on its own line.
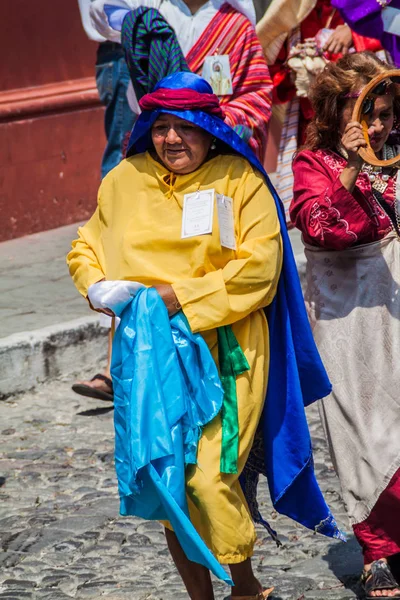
<point>217,71</point>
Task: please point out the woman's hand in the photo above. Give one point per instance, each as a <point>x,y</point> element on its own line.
<point>168,295</point>
<point>352,140</point>
<point>340,41</point>
<point>104,311</point>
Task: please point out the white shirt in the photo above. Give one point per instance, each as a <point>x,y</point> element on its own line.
<point>188,27</point>
<point>91,31</point>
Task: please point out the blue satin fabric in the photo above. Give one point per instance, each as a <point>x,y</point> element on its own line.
<point>166,388</point>
<point>297,375</point>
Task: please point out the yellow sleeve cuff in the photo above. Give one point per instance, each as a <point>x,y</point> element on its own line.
<point>204,300</point>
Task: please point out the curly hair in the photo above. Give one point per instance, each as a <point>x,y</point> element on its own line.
<point>328,96</point>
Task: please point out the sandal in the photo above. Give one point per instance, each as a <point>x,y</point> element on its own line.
<point>93,392</point>
<point>260,596</point>
<point>379,578</point>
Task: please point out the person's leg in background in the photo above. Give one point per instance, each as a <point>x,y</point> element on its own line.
<point>100,386</point>
<point>112,79</point>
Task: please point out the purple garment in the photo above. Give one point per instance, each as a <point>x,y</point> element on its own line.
<point>364,17</point>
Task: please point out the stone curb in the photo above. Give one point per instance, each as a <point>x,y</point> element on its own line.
<point>32,357</point>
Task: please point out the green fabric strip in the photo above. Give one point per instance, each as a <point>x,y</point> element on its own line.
<point>232,362</point>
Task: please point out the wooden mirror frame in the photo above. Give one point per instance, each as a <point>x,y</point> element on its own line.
<point>367,154</point>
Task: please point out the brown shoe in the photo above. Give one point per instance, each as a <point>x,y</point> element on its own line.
<point>100,387</point>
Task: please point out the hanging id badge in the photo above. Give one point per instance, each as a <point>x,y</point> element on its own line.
<point>198,213</point>
<point>217,71</point>
<point>226,222</point>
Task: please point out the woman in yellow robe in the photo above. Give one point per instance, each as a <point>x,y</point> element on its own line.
<point>136,234</point>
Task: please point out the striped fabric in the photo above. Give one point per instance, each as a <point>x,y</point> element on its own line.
<point>288,144</point>
<point>151,49</point>
<point>287,148</point>
<point>249,106</point>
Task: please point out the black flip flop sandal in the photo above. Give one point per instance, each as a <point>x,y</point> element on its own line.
<point>91,392</point>
<point>379,578</point>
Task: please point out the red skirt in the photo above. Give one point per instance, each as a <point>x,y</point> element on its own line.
<point>379,534</point>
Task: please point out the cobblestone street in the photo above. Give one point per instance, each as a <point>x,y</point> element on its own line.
<point>62,536</point>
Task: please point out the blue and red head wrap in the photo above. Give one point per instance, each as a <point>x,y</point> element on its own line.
<point>180,91</point>
<point>189,97</point>
<point>180,99</point>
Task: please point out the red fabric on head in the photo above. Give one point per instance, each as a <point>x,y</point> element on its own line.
<point>182,99</point>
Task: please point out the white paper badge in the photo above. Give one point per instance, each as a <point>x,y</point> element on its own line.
<point>226,222</point>
<point>217,71</point>
<point>198,212</point>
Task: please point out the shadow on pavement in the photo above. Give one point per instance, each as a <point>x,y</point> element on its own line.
<point>345,561</point>
<point>93,412</point>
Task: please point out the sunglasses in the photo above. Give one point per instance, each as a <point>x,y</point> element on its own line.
<point>381,89</point>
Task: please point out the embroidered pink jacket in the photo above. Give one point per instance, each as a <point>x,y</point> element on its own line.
<point>326,213</point>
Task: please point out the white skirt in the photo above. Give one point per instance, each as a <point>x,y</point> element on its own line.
<point>353,300</point>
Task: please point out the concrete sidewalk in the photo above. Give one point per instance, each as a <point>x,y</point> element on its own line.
<point>46,328</point>
<point>36,290</point>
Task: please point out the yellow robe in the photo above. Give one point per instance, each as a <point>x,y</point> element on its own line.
<point>135,234</point>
